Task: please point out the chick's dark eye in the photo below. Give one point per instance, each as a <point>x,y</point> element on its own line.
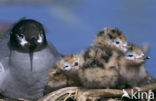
<point>117,42</point>
<point>76,64</point>
<point>66,66</point>
<point>130,55</point>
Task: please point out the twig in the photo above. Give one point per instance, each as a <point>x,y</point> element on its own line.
<point>56,94</point>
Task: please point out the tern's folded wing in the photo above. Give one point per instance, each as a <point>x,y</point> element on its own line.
<point>4,48</point>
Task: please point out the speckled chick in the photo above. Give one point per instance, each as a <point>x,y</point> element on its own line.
<point>132,66</point>
<point>100,68</point>
<point>107,42</point>
<point>65,73</point>
<point>98,74</point>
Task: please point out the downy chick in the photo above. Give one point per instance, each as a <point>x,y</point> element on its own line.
<point>65,72</point>
<point>70,65</point>
<point>98,74</point>
<point>131,66</point>
<point>100,68</point>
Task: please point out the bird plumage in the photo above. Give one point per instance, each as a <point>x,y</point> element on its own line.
<point>19,81</point>
<point>132,66</point>
<point>100,68</point>
<point>65,73</point>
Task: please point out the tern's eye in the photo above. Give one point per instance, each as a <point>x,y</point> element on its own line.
<point>67,66</point>
<point>130,55</point>
<point>117,42</point>
<point>21,39</point>
<point>20,35</point>
<point>76,64</point>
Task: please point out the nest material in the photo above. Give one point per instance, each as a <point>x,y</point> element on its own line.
<point>79,94</point>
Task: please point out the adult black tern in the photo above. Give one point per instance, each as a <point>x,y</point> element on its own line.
<point>26,58</point>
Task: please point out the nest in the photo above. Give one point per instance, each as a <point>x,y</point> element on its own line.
<point>81,94</point>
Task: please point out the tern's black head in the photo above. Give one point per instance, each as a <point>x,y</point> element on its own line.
<point>27,35</point>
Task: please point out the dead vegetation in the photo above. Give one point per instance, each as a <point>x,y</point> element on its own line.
<point>80,94</point>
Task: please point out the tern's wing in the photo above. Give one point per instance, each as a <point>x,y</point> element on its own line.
<point>2,74</point>
<point>4,48</point>
<point>4,70</point>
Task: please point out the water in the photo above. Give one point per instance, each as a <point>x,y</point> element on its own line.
<point>73,25</point>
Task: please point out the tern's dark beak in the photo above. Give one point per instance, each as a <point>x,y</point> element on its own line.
<point>33,45</point>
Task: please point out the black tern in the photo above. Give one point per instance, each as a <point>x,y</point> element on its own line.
<point>26,58</point>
